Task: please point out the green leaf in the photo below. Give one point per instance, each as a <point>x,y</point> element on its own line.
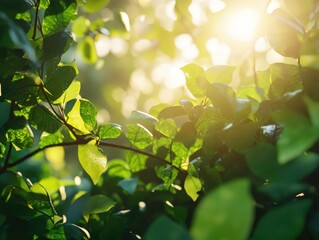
<point>262,160</point>
<point>136,162</point>
<point>313,110</point>
<point>24,91</point>
<point>93,160</point>
<point>145,119</point>
<point>167,127</point>
<point>210,117</point>
<point>48,139</point>
<point>283,33</point>
<point>287,220</point>
<point>99,204</point>
<point>138,135</point>
<point>80,26</point>
<point>129,184</point>
<point>88,50</point>
<point>19,133</point>
<point>187,134</point>
<point>298,135</point>
<point>223,74</point>
<point>223,97</point>
<point>55,45</point>
<point>172,112</point>
<point>58,16</point>
<point>94,5</point>
<point>70,93</point>
<point>88,113</point>
<point>241,136</point>
<point>225,213</point>
<point>43,119</point>
<point>196,80</point>
<point>109,130</point>
<point>192,186</point>
<point>285,78</point>
<point>164,228</point>
<point>18,37</point>
<point>59,80</point>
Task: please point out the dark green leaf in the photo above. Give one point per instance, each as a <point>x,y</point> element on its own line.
<point>59,80</point>
<point>165,228</point>
<point>55,45</point>
<point>218,215</point>
<point>99,204</point>
<point>43,119</point>
<point>288,220</point>
<point>129,184</point>
<point>171,112</point>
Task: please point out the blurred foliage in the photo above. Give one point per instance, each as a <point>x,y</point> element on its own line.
<point>228,150</point>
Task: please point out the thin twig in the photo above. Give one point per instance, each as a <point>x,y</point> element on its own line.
<point>36,20</point>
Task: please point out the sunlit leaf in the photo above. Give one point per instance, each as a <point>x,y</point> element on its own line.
<point>139,136</point>
<point>80,26</point>
<point>192,186</point>
<point>109,130</point>
<point>58,15</point>
<point>221,73</point>
<point>19,133</point>
<point>167,127</point>
<point>165,228</point>
<point>93,160</point>
<point>196,80</point>
<point>70,93</point>
<point>225,213</point>
<point>94,5</point>
<point>99,204</point>
<point>88,50</point>
<point>297,136</point>
<point>288,220</point>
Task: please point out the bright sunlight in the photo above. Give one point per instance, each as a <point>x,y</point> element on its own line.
<point>242,24</point>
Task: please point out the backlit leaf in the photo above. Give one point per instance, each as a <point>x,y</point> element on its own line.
<point>88,50</point>
<point>192,186</point>
<point>93,160</point>
<point>139,136</point>
<point>94,5</point>
<point>109,130</point>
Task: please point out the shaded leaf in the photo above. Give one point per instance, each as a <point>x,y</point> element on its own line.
<point>165,228</point>
<point>288,220</point>
<point>57,44</point>
<point>99,204</point>
<point>218,215</point>
<point>129,184</point>
<point>298,135</point>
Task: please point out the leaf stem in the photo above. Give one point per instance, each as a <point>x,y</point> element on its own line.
<point>36,19</point>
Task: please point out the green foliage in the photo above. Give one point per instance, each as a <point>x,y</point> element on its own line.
<point>236,160</point>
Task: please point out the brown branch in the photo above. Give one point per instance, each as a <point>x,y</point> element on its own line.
<point>36,19</point>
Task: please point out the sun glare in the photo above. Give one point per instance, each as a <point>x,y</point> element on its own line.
<point>242,24</point>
